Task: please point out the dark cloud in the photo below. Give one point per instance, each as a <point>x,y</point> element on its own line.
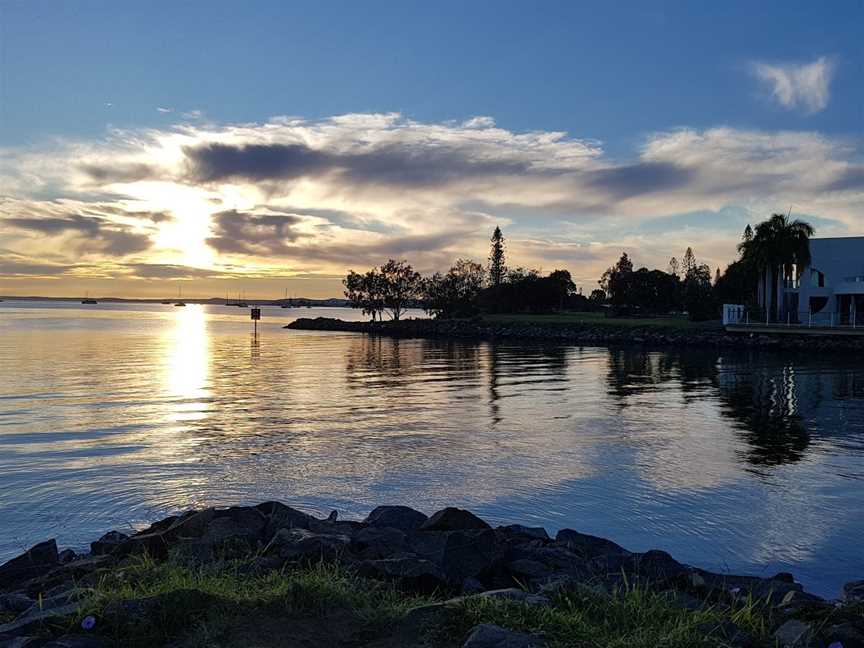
<point>27,268</point>
<point>120,172</point>
<point>391,164</point>
<point>636,179</point>
<point>851,180</point>
<point>58,225</point>
<point>245,233</point>
<point>168,271</point>
<point>93,234</point>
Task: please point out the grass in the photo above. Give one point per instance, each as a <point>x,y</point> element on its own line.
<point>152,604</point>
<point>599,319</point>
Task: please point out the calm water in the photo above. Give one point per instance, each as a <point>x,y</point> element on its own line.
<point>113,415</point>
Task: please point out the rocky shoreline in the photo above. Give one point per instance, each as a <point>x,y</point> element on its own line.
<point>46,595</point>
<point>587,334</point>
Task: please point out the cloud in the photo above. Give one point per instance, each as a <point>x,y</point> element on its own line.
<point>248,233</point>
<point>164,110</point>
<point>805,86</point>
<point>169,271</point>
<point>319,196</point>
<point>90,235</point>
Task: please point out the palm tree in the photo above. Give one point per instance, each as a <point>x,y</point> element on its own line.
<point>779,244</point>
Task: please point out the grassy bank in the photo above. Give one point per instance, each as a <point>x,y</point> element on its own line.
<point>599,319</point>
<point>146,603</point>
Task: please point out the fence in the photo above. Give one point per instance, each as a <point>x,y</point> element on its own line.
<point>739,314</point>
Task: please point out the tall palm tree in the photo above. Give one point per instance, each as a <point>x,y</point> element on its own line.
<point>779,245</point>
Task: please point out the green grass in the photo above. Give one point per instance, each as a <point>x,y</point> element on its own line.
<point>230,605</point>
<point>599,319</point>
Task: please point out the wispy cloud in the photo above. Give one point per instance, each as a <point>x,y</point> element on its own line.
<point>804,86</point>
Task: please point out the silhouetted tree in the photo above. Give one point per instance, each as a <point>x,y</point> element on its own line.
<point>598,296</point>
<point>614,281</point>
<point>674,268</point>
<point>401,285</point>
<point>777,246</point>
<point>454,294</point>
<point>497,265</point>
<point>365,291</point>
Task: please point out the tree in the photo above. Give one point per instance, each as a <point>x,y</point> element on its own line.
<point>688,263</point>
<point>615,281</point>
<point>454,294</point>
<point>401,285</point>
<point>366,292</point>
<point>778,247</point>
<point>497,266</point>
<point>748,234</point>
<point>698,296</point>
<point>674,268</point>
<point>717,276</point>
<point>597,296</point>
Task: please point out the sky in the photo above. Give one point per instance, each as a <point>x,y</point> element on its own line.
<point>269,147</point>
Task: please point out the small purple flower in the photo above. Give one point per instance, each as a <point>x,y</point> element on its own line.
<point>89,623</point>
<point>735,591</point>
<point>836,644</point>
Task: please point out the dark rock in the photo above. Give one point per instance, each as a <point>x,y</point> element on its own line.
<point>795,634</point>
<point>77,641</point>
<point>412,573</point>
<point>300,545</point>
<point>536,533</point>
<point>280,516</point>
<point>453,519</point>
<point>511,594</point>
<point>848,635</point>
<point>146,611</point>
<point>36,561</point>
<point>66,556</point>
<point>108,543</point>
<point>729,633</point>
<point>526,568</point>
<point>16,603</point>
<point>487,635</point>
<point>682,600</point>
<point>853,591</point>
<point>461,554</point>
<point>397,517</point>
<point>34,619</point>
<point>378,542</point>
<point>587,546</point>
<point>783,577</point>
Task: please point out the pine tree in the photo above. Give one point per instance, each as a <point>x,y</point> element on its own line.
<point>674,268</point>
<point>688,263</point>
<point>497,268</point>
<point>748,234</point>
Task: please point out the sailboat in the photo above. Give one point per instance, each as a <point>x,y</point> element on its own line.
<point>180,301</point>
<point>287,302</point>
<point>241,303</point>
<point>87,299</point>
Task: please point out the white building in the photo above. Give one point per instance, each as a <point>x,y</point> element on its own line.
<point>830,290</point>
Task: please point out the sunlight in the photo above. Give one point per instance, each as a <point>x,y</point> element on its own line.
<point>187,365</point>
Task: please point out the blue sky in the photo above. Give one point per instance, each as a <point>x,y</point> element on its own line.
<point>615,77</point>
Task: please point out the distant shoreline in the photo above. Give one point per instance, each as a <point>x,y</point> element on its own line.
<point>607,332</point>
<point>299,302</point>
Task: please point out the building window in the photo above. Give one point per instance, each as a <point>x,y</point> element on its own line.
<point>817,279</point>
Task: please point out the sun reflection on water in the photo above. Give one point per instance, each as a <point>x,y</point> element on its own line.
<point>187,364</point>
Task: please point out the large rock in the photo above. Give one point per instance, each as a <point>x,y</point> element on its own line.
<point>588,546</point>
<point>403,518</point>
<point>487,635</point>
<point>36,619</point>
<point>302,546</point>
<point>453,519</point>
<point>847,635</point>
<point>409,572</point>
<point>853,591</point>
<point>460,554</point>
<point>795,634</point>
<point>521,532</point>
<point>280,516</point>
<point>108,543</point>
<point>36,561</point>
<point>378,542</point>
